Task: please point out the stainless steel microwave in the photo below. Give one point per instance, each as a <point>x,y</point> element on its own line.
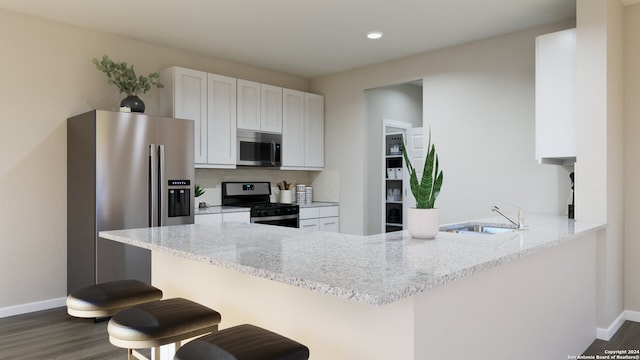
<point>258,149</point>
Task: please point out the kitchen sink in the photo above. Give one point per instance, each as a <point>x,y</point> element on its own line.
<point>478,228</point>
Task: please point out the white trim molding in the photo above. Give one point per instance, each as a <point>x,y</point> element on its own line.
<point>32,307</point>
<point>632,315</point>
<point>607,334</point>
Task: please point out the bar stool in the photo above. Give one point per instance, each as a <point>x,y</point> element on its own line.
<point>243,342</point>
<point>162,322</point>
<point>106,299</point>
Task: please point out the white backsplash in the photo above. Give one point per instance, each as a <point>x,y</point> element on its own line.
<point>325,183</point>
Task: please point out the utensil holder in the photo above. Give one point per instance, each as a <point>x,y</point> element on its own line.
<point>286,196</point>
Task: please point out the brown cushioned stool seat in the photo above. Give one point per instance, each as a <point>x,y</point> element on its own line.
<point>106,299</point>
<point>161,322</point>
<point>243,342</point>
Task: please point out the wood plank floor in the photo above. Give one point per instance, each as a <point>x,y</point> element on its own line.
<point>626,338</point>
<point>52,334</point>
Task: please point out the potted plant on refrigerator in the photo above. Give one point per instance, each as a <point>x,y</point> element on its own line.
<point>125,79</point>
<point>423,220</point>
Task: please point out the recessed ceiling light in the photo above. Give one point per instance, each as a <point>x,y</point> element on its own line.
<point>374,35</point>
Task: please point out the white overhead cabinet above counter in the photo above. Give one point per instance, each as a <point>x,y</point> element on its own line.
<point>259,107</point>
<point>221,105</point>
<point>302,130</point>
<point>555,97</point>
<point>210,101</point>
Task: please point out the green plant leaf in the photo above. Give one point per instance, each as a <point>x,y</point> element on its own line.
<point>124,77</point>
<point>428,189</point>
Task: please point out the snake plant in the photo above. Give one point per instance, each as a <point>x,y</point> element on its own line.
<point>427,190</point>
<point>198,190</point>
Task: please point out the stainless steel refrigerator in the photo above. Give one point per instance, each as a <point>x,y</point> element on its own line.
<point>124,171</point>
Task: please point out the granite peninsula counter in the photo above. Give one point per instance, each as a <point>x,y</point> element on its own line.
<point>314,286</point>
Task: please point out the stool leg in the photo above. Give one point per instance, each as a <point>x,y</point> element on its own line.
<point>136,355</point>
<point>156,353</point>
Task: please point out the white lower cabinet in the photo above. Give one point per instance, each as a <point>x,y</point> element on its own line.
<point>310,224</point>
<point>331,224</point>
<point>243,216</point>
<point>209,219</point>
<point>323,218</point>
<point>215,219</point>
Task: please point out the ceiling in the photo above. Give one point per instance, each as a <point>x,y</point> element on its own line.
<point>303,37</point>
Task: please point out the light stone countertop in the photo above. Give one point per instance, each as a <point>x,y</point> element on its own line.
<point>218,209</point>
<point>319,204</point>
<point>375,269</point>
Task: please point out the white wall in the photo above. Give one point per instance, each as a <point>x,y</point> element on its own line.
<point>599,168</point>
<point>399,103</point>
<point>47,75</point>
<point>631,163</point>
<point>479,98</point>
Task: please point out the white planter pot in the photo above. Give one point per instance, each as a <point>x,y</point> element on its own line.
<point>423,223</point>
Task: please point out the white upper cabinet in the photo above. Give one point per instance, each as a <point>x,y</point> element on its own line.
<point>293,128</point>
<point>210,101</point>
<point>259,107</point>
<point>302,130</point>
<point>314,130</point>
<point>248,105</point>
<point>219,105</point>
<point>270,108</point>
<point>221,124</point>
<point>555,97</point>
<point>184,96</point>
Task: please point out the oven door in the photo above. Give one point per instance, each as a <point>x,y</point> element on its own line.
<point>280,220</point>
<point>258,149</point>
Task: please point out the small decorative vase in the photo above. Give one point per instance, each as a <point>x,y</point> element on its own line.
<point>196,203</point>
<point>134,103</point>
<point>423,223</point>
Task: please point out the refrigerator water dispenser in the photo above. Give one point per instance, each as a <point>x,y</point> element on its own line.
<point>179,202</point>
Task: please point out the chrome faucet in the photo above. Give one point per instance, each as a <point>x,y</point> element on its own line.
<point>519,224</point>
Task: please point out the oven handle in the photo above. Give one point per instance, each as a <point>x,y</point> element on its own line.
<point>270,218</point>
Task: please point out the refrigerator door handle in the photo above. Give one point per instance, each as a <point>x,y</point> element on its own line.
<point>153,186</point>
<point>162,203</point>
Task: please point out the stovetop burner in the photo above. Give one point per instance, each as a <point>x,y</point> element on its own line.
<point>255,195</point>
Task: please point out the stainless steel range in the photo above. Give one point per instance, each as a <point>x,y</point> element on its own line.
<point>256,195</point>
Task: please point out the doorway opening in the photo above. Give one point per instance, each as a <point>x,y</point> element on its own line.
<point>391,111</point>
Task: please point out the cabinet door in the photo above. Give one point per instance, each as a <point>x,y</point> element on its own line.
<point>248,105</point>
<point>314,131</point>
<point>329,211</point>
<point>221,122</point>
<point>271,108</point>
<point>243,216</point>
<point>293,128</point>
<point>555,96</point>
<point>213,219</point>
<point>331,224</point>
<point>310,224</point>
<point>190,102</point>
<point>309,213</point>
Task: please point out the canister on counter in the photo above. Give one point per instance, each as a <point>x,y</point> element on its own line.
<point>308,195</point>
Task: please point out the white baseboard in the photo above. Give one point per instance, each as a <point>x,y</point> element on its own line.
<point>632,315</point>
<point>32,307</point>
<point>607,334</point>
